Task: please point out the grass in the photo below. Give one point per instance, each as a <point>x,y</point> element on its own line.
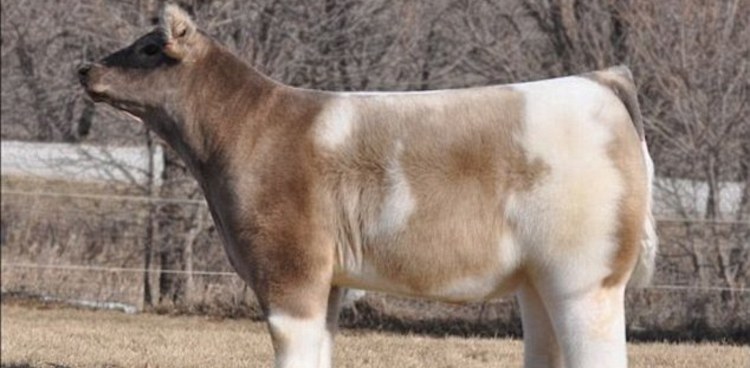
<point>44,336</point>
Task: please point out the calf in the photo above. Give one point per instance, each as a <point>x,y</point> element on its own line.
<point>538,188</point>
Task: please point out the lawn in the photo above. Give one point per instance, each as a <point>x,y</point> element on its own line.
<point>46,336</point>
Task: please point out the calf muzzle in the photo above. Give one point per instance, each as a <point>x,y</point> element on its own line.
<point>83,73</point>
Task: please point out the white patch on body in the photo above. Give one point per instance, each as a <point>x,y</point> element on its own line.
<point>399,203</point>
<point>335,124</point>
<point>300,341</point>
<point>509,252</point>
<point>567,222</point>
<point>469,289</point>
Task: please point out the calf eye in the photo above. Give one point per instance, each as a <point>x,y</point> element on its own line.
<point>150,49</point>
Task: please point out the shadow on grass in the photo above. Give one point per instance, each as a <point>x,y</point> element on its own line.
<point>369,317</point>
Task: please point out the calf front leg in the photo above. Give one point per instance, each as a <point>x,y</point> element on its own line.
<point>297,341</point>
<point>300,329</point>
<point>295,295</point>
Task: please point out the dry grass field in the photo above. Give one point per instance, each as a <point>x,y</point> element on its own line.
<point>45,336</point>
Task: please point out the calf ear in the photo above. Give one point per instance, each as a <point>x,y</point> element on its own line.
<point>179,31</point>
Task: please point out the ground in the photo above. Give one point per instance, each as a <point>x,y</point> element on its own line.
<point>52,336</point>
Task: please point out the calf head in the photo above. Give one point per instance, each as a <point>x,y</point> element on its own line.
<point>147,78</point>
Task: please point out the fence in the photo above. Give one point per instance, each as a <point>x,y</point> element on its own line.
<point>87,249</point>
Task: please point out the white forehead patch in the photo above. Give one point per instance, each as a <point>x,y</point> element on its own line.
<point>335,123</point>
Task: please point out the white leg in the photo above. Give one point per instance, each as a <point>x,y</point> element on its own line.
<point>541,349</point>
<point>326,350</point>
<point>297,341</point>
<point>332,324</point>
<point>591,327</point>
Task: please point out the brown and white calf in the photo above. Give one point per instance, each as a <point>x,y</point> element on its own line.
<point>539,188</point>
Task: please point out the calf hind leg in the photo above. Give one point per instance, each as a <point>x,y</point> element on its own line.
<point>590,327</point>
<point>541,348</point>
<point>335,298</point>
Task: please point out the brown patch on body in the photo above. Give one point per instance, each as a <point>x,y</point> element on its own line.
<point>461,160</point>
<point>279,218</point>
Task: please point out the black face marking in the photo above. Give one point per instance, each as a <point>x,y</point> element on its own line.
<point>150,49</point>
<point>144,53</point>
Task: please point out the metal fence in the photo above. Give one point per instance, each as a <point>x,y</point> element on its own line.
<point>87,248</point>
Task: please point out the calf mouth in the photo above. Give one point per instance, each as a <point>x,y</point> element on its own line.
<point>84,78</point>
<point>95,96</point>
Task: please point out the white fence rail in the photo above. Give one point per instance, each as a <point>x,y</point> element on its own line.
<point>82,162</point>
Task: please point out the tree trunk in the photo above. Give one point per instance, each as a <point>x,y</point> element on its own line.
<point>151,224</point>
<point>192,236</point>
<point>171,284</point>
<point>744,208</point>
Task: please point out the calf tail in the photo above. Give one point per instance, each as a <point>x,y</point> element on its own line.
<point>620,81</point>
<point>644,269</point>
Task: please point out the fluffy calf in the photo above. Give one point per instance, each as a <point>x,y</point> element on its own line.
<point>538,188</point>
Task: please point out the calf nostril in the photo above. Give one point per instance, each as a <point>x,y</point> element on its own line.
<point>84,70</point>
